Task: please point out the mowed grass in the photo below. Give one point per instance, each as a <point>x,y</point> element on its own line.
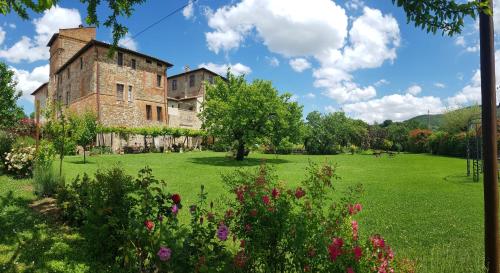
<point>424,205</point>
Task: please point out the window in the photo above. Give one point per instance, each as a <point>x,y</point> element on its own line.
<point>211,79</point>
<point>191,80</point>
<point>158,80</point>
<point>133,64</point>
<point>148,112</point>
<point>148,61</point>
<point>119,91</point>
<point>159,64</point>
<point>67,96</point>
<point>81,63</point>
<point>159,113</point>
<point>130,93</point>
<point>174,84</point>
<point>119,61</point>
<point>68,72</point>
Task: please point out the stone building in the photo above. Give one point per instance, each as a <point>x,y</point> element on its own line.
<point>129,89</point>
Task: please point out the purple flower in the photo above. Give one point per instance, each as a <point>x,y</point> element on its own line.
<point>222,232</point>
<point>164,253</point>
<point>175,209</point>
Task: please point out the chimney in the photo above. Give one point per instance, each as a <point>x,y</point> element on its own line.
<point>186,68</point>
<point>80,26</point>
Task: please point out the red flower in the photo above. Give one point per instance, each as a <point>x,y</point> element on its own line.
<point>357,253</point>
<point>149,224</point>
<point>239,195</point>
<point>275,193</point>
<point>353,209</point>
<point>350,270</point>
<point>354,226</point>
<point>299,193</point>
<point>266,200</point>
<point>338,242</point>
<point>176,198</point>
<point>335,248</point>
<point>253,213</point>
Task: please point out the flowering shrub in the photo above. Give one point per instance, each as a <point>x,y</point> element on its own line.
<point>265,228</point>
<point>418,141</point>
<point>19,161</point>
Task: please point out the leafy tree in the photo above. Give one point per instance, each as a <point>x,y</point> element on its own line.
<point>398,133</point>
<point>457,121</point>
<point>118,8</point>
<point>57,130</point>
<point>240,114</point>
<point>10,113</point>
<point>84,130</point>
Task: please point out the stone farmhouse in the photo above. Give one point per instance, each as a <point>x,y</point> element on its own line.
<point>129,89</point>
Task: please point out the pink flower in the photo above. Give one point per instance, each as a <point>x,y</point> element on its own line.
<point>335,248</point>
<point>357,253</point>
<point>175,209</point>
<point>350,270</point>
<point>275,193</point>
<point>377,241</point>
<point>338,242</point>
<point>149,224</point>
<point>240,195</point>
<point>222,232</point>
<point>354,226</point>
<point>266,200</point>
<point>299,193</point>
<point>164,253</point>
<point>353,209</point>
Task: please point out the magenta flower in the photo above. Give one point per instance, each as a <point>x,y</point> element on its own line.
<point>175,209</point>
<point>164,253</point>
<point>275,193</point>
<point>357,253</point>
<point>350,270</point>
<point>266,200</point>
<point>222,232</point>
<point>354,226</point>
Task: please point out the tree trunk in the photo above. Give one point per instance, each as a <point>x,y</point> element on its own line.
<point>240,153</point>
<point>83,154</point>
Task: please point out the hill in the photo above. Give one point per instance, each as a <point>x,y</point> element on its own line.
<point>435,120</point>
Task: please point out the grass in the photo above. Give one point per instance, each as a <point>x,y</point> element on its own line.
<point>424,205</point>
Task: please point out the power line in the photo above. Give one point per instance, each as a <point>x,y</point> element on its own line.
<point>190,2</point>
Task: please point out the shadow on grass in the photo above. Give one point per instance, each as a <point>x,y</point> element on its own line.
<point>461,179</point>
<point>231,162</point>
<point>80,162</point>
<point>32,243</point>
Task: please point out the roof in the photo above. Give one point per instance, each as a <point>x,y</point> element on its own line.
<point>186,98</point>
<point>122,49</point>
<point>39,88</point>
<point>55,35</point>
<point>196,70</point>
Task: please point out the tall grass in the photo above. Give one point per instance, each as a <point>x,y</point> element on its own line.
<point>45,180</point>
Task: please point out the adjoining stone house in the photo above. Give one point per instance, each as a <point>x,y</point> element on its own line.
<point>186,92</point>
<point>129,89</point>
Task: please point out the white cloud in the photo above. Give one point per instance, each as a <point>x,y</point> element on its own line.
<point>381,82</point>
<point>273,61</point>
<point>414,90</point>
<point>128,42</point>
<point>12,25</point>
<point>188,10</point>
<point>317,29</point>
<point>354,4</point>
<point>394,107</point>
<point>28,81</point>
<point>440,85</point>
<point>299,64</point>
<point>294,98</point>
<point>330,109</point>
<point>471,93</point>
<point>221,69</point>
<point>2,35</point>
<point>34,49</point>
<point>289,27</point>
<point>460,41</point>
<point>310,95</point>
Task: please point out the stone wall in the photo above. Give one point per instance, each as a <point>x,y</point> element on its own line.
<point>183,119</point>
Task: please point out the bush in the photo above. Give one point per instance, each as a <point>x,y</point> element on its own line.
<point>418,141</point>
<point>19,161</point>
<point>24,141</point>
<point>102,150</point>
<point>45,181</point>
<point>6,142</point>
<point>266,228</point>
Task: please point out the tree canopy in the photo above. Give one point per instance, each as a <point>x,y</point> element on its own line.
<point>240,114</point>
<point>10,113</point>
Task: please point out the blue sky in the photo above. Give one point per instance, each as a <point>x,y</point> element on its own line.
<point>357,56</point>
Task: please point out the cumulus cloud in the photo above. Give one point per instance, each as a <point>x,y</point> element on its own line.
<point>310,95</point>
<point>311,29</point>
<point>330,109</point>
<point>354,4</point>
<point>471,93</point>
<point>221,69</point>
<point>414,90</point>
<point>381,82</point>
<point>33,49</point>
<point>299,64</point>
<point>188,11</point>
<point>28,81</point>
<point>128,42</point>
<point>394,107</point>
<point>2,35</point>
<point>439,85</point>
<point>273,61</point>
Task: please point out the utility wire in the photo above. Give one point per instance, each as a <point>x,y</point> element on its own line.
<point>190,2</point>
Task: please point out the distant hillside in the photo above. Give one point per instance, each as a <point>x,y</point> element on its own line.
<point>435,120</point>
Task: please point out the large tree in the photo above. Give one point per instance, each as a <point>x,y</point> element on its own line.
<point>458,120</point>
<point>10,113</point>
<point>117,9</point>
<point>240,114</point>
<point>84,130</point>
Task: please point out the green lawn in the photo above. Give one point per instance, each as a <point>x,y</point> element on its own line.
<point>424,205</point>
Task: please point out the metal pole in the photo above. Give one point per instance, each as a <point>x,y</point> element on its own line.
<point>490,179</point>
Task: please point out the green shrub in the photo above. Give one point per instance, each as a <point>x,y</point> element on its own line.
<point>24,141</point>
<point>101,150</point>
<point>6,142</point>
<point>45,180</point>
